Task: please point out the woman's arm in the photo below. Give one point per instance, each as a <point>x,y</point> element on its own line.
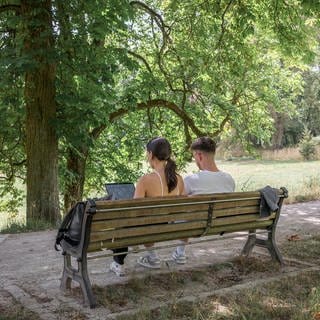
<point>182,191</point>
<point>140,191</point>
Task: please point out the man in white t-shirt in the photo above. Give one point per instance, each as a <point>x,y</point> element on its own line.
<point>208,180</point>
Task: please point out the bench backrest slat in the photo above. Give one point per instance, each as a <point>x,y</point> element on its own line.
<point>145,230</point>
<point>176,200</point>
<point>131,212</point>
<point>100,225</point>
<point>241,227</point>
<point>94,246</point>
<point>98,245</point>
<point>218,225</point>
<point>132,218</point>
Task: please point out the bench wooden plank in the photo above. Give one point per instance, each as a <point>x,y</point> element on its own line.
<point>218,210</point>
<point>237,203</point>
<point>144,239</point>
<point>103,225</point>
<point>159,201</point>
<point>146,230</point>
<point>240,227</point>
<point>239,219</point>
<point>172,227</point>
<point>179,201</point>
<point>235,211</point>
<point>120,243</point>
<point>100,225</point>
<point>103,215</point>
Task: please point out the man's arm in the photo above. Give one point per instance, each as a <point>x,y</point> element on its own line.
<point>187,186</point>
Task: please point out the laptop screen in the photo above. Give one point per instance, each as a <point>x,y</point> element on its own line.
<point>120,191</point>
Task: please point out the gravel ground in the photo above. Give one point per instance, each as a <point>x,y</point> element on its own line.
<point>30,268</point>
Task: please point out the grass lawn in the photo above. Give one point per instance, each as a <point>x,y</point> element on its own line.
<point>294,296</point>
<point>11,309</point>
<point>301,178</point>
<point>256,174</point>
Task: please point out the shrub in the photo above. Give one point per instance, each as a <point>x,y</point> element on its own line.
<point>307,147</point>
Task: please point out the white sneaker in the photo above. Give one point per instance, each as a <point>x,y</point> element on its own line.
<point>117,269</point>
<point>147,262</point>
<point>179,258</point>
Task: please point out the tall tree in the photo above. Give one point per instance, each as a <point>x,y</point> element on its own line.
<point>194,66</point>
<point>39,95</point>
<point>33,51</point>
<point>310,103</point>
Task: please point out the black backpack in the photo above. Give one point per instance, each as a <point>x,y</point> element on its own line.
<point>70,229</point>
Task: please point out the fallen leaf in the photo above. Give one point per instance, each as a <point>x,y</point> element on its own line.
<point>316,316</point>
<point>294,237</point>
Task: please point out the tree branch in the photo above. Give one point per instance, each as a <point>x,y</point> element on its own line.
<point>138,56</point>
<point>221,127</point>
<point>152,12</point>
<point>165,104</point>
<point>183,115</point>
<point>223,23</point>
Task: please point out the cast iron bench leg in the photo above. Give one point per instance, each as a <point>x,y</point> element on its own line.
<point>83,279</point>
<point>81,276</point>
<point>273,249</point>
<point>268,243</point>
<point>251,242</point>
<point>67,273</point>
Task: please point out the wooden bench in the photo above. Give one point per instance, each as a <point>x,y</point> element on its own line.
<point>127,223</point>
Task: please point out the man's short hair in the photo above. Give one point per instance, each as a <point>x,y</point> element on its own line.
<point>205,144</point>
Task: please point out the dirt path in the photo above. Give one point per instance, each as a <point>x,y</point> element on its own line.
<point>30,268</point>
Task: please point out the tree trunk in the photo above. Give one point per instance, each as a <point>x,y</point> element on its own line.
<point>279,123</point>
<point>76,164</point>
<point>41,139</point>
<point>277,137</point>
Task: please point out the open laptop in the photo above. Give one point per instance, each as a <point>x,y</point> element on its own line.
<point>120,191</point>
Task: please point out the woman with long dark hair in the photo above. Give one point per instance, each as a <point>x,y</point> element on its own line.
<point>162,181</point>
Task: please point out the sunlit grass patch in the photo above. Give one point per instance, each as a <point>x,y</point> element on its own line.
<point>301,178</point>
<point>294,298</point>
<point>170,286</point>
<point>11,309</point>
<point>310,189</point>
<point>281,154</point>
<point>66,312</point>
<point>307,249</point>
<point>31,225</point>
